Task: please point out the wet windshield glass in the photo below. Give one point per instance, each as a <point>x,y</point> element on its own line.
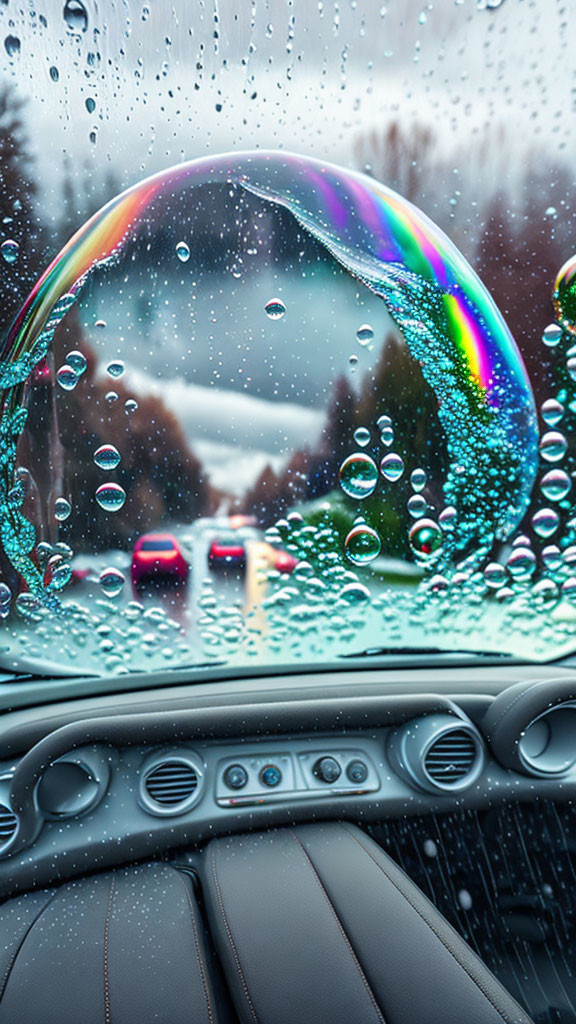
<point>289,332</point>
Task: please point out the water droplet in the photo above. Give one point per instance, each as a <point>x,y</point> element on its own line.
<point>67,377</point>
<point>553,446</point>
<point>430,848</point>
<point>111,397</point>
<point>354,593</point>
<point>545,593</point>
<point>545,522</point>
<point>521,563</point>
<point>75,16</point>
<point>30,607</point>
<point>552,335</point>
<point>12,46</point>
<point>183,252</point>
<point>418,479</point>
<point>10,250</point>
<point>552,557</point>
<point>5,595</point>
<point>569,588</point>
<point>107,456</point>
<point>100,324</point>
<point>115,368</point>
<point>358,475</point>
<point>54,73</point>
<point>564,297</point>
<point>362,545</point>
<point>362,436</point>
<point>77,361</point>
<point>555,485</point>
<point>364,334</point>
<point>494,575</point>
<point>275,309</point>
<point>58,572</point>
<point>448,518</point>
<point>425,538</point>
<point>43,551</point>
<point>571,367</point>
<point>417,506</point>
<point>111,497</point>
<point>90,104</point>
<point>353,362</point>
<point>62,509</point>
<point>552,412</point>
<point>392,467</point>
<point>111,581</point>
<point>130,405</point>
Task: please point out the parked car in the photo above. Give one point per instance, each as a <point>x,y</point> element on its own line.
<point>227,551</point>
<point>158,555</point>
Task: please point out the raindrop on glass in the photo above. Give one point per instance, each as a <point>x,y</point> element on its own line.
<point>417,506</point>
<point>392,467</point>
<point>75,16</point>
<point>545,522</point>
<point>111,497</point>
<point>425,538</point>
<point>418,479</point>
<point>362,436</point>
<point>521,563</point>
<point>362,545</point>
<point>494,575</point>
<point>553,446</point>
<point>555,485</point>
<point>552,335</point>
<point>54,73</point>
<point>552,412</point>
<point>58,572</point>
<point>275,309</point>
<point>5,595</point>
<point>67,377</point>
<point>130,405</point>
<point>364,334</point>
<point>10,250</point>
<point>107,456</point>
<point>115,368</point>
<point>77,361</point>
<point>448,518</point>
<point>111,581</point>
<point>12,45</point>
<point>111,397</point>
<point>183,252</point>
<point>358,475</point>
<point>62,509</point>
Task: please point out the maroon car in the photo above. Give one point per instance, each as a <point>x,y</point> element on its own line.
<point>158,556</point>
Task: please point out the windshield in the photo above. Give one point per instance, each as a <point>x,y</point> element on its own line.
<point>289,302</point>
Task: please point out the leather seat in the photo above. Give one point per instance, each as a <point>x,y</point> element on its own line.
<point>126,947</point>
<point>317,924</point>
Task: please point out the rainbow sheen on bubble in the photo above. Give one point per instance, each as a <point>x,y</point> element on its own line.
<point>448,319</point>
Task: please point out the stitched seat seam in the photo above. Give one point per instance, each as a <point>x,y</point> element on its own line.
<point>355,959</point>
<point>230,937</point>
<point>107,1013</point>
<point>203,974</point>
<point>18,949</point>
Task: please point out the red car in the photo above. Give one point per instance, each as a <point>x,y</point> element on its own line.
<point>227,552</point>
<point>158,555</point>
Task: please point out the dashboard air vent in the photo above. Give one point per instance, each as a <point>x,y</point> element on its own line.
<point>451,757</point>
<point>8,825</point>
<point>170,784</point>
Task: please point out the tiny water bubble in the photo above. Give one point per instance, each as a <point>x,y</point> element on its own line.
<point>362,436</point>
<point>521,563</point>
<point>418,479</point>
<point>365,334</point>
<point>111,581</point>
<point>111,497</point>
<point>183,252</point>
<point>111,397</point>
<point>358,475</point>
<point>417,506</point>
<point>426,538</point>
<point>62,509</point>
<point>115,368</point>
<point>77,361</point>
<point>545,522</point>
<point>392,467</point>
<point>75,16</point>
<point>67,377</point>
<point>494,575</point>
<point>552,412</point>
<point>555,485</point>
<point>107,457</point>
<point>552,335</point>
<point>130,405</point>
<point>275,309</point>
<point>553,446</point>
<point>362,545</point>
<point>10,250</point>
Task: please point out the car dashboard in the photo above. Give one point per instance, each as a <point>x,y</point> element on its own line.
<point>103,780</point>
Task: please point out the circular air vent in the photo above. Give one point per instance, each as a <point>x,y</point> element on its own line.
<point>546,746</point>
<point>437,752</point>
<point>451,758</point>
<point>170,785</point>
<point>8,825</point>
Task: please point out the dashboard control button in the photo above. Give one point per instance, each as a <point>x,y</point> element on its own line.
<point>327,769</point>
<point>357,771</point>
<point>235,776</point>
<point>270,776</point>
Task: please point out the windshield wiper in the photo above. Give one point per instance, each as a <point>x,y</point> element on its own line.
<point>375,652</point>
